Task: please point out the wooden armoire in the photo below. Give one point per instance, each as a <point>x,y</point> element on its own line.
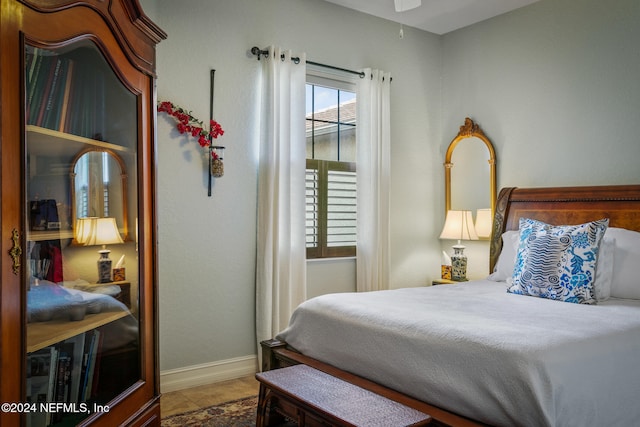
<point>78,303</point>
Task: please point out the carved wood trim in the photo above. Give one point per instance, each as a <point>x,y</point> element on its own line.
<point>15,251</point>
<point>136,34</point>
<point>498,225</point>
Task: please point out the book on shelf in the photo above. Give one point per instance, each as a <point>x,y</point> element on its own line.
<point>41,379</point>
<point>37,86</point>
<point>34,62</point>
<point>62,373</point>
<point>64,94</point>
<point>64,105</point>
<point>76,365</point>
<point>93,361</point>
<point>48,112</point>
<point>53,109</point>
<point>63,377</point>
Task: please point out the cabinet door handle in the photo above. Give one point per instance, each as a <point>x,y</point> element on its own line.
<point>16,251</point>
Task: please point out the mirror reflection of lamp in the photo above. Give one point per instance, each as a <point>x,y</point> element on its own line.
<point>403,5</point>
<point>459,226</point>
<point>103,231</point>
<point>82,229</point>
<point>484,222</point>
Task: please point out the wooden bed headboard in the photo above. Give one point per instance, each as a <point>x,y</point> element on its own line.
<point>564,205</point>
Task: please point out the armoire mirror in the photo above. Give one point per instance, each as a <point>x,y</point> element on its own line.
<point>470,170</point>
<point>99,187</point>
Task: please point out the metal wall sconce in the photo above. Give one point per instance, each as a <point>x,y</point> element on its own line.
<point>217,157</point>
<point>216,163</point>
<point>216,152</point>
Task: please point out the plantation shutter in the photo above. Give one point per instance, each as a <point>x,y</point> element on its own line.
<point>330,208</point>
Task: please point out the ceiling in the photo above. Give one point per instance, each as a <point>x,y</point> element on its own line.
<point>436,16</point>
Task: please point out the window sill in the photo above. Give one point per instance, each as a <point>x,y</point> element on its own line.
<point>333,259</point>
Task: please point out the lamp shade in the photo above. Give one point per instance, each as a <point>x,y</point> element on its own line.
<point>103,231</point>
<point>402,5</point>
<point>484,222</point>
<point>459,226</point>
<point>83,228</point>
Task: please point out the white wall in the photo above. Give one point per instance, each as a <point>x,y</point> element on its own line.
<point>556,87</point>
<point>207,245</point>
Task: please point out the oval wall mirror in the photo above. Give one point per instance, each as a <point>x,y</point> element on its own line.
<point>470,171</point>
<point>99,187</point>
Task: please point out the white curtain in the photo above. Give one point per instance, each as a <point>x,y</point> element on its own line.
<point>281,253</point>
<point>373,171</point>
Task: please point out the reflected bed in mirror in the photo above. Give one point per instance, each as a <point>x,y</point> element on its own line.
<point>470,171</point>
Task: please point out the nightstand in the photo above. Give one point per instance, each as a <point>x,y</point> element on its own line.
<point>125,290</point>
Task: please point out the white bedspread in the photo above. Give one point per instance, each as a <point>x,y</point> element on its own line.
<point>474,349</point>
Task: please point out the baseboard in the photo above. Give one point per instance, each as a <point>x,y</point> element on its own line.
<point>207,373</point>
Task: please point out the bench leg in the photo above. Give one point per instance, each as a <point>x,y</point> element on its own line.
<point>262,408</point>
<point>267,416</point>
<point>302,421</point>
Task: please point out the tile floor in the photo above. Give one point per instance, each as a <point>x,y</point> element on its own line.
<point>179,401</point>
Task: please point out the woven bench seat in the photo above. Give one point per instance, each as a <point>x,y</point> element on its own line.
<point>313,398</point>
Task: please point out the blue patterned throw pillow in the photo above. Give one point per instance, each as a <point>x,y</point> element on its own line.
<point>557,262</point>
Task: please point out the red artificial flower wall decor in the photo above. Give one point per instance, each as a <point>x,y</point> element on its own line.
<point>190,125</point>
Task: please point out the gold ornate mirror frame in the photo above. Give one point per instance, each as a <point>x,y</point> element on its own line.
<point>469,130</point>
<point>124,226</point>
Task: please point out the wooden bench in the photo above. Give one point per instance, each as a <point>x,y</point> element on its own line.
<point>313,398</point>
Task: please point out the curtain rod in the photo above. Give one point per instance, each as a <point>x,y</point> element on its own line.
<point>258,52</point>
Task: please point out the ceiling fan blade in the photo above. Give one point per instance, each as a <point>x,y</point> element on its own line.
<point>402,5</point>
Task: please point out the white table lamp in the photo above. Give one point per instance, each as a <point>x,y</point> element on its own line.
<point>484,222</point>
<point>103,231</point>
<point>82,229</point>
<point>459,226</point>
<point>403,5</point>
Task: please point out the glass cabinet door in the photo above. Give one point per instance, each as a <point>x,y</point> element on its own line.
<point>82,273</point>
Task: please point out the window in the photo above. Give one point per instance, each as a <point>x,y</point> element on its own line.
<point>331,169</point>
<point>93,170</point>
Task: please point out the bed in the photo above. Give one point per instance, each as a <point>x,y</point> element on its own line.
<point>475,354</point>
<point>57,311</point>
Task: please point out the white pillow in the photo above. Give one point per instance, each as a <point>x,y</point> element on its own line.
<point>507,258</point>
<point>625,282</point>
<point>604,267</point>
